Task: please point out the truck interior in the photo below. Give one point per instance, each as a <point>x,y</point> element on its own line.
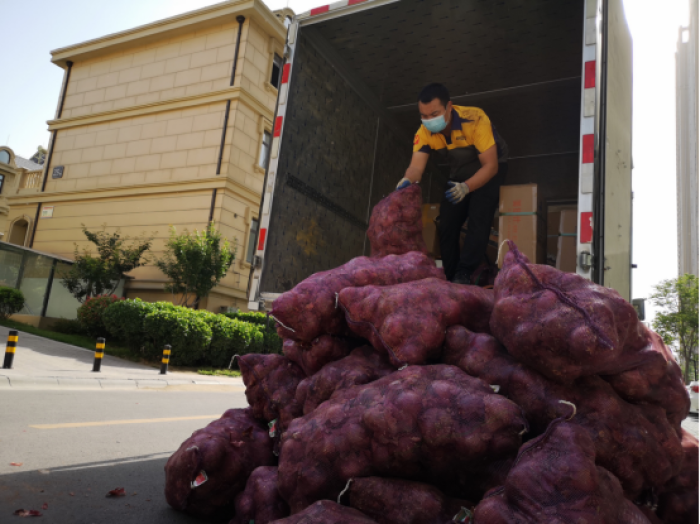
<point>352,113</point>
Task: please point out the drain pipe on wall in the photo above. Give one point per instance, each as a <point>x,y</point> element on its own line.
<point>47,162</point>
<point>240,19</point>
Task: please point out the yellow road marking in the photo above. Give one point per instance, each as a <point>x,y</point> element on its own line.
<point>117,422</point>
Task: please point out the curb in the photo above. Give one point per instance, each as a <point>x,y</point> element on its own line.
<point>50,383</point>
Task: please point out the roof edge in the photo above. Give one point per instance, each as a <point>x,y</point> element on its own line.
<point>207,16</point>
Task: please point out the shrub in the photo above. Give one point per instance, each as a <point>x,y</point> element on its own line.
<point>91,312</point>
<point>124,321</point>
<point>11,301</point>
<point>231,337</point>
<point>68,326</point>
<point>184,329</point>
<point>254,317</point>
<point>196,337</point>
<point>271,341</point>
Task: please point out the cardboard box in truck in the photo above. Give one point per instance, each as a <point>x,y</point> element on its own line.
<point>521,220</point>
<point>561,221</point>
<point>553,219</point>
<point>566,242</point>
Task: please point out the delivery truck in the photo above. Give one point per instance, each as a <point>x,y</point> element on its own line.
<point>554,76</point>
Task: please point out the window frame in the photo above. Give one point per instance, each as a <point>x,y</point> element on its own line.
<point>2,182</point>
<point>279,66</point>
<point>253,230</point>
<point>264,163</point>
<point>9,157</point>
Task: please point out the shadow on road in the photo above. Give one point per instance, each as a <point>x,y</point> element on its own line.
<point>76,494</point>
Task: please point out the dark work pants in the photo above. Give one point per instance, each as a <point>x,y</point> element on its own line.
<point>479,207</point>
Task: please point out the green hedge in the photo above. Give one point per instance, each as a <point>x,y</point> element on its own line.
<point>196,337</point>
<point>124,321</point>
<point>253,317</point>
<point>182,328</point>
<point>91,313</point>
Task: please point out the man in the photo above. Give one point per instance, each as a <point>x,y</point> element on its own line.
<point>463,138</point>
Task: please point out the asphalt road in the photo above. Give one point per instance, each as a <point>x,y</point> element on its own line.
<point>75,446</point>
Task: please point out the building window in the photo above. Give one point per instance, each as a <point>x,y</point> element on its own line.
<point>2,182</point>
<point>276,71</point>
<point>252,238</point>
<point>265,149</point>
<point>4,156</point>
<point>287,21</point>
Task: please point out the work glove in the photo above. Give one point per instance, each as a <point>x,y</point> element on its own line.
<point>404,182</point>
<point>457,193</point>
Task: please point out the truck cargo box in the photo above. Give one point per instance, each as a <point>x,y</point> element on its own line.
<point>347,113</point>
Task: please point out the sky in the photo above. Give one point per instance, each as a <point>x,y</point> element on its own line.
<point>30,88</point>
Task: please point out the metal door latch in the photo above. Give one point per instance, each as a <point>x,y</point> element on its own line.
<point>585,260</point>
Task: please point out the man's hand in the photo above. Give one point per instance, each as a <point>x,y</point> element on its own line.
<point>457,193</point>
<point>404,182</point>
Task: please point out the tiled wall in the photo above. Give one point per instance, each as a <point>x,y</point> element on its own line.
<point>168,146</point>
<point>247,129</point>
<point>187,65</point>
<point>255,63</point>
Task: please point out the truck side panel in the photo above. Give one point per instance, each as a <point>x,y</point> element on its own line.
<point>321,187</point>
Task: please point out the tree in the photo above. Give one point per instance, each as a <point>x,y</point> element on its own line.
<point>92,276</point>
<point>40,155</point>
<point>677,322</point>
<point>195,263</point>
<point>11,301</point>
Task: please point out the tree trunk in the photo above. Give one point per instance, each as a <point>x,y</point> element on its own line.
<point>688,362</point>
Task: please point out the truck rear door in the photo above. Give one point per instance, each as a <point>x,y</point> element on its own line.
<point>615,189</point>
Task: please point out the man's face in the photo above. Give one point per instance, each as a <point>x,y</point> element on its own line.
<point>435,108</point>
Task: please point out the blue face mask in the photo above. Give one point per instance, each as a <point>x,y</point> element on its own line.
<point>435,125</point>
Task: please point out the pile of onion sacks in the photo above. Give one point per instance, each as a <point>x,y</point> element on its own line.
<point>402,398</point>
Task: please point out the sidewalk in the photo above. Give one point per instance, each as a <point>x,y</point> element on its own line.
<point>41,363</point>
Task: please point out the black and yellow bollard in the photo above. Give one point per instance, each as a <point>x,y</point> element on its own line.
<point>165,361</point>
<point>99,353</point>
<point>10,349</point>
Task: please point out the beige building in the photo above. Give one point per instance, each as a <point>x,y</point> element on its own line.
<point>164,124</point>
<point>687,143</point>
<point>18,176</point>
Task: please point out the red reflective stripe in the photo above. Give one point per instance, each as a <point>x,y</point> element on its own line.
<point>588,148</point>
<point>353,2</point>
<point>589,77</point>
<point>320,10</point>
<point>586,229</point>
<point>261,239</point>
<point>278,126</point>
<point>285,73</point>
<point>695,389</point>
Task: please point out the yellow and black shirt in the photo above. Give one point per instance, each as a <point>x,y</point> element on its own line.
<point>470,128</point>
